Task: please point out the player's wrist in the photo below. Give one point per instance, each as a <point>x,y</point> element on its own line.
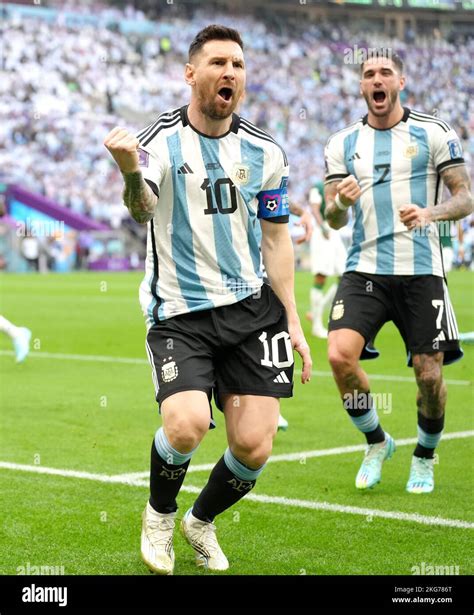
<point>339,204</point>
<point>130,171</point>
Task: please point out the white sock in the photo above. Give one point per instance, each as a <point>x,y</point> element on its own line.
<point>329,296</point>
<point>8,327</point>
<point>317,298</point>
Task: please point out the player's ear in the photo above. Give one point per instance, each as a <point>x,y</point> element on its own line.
<point>189,74</point>
<point>402,82</point>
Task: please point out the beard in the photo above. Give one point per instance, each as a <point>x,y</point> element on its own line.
<point>211,109</point>
<point>392,99</point>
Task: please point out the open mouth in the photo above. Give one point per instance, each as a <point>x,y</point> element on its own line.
<point>379,97</point>
<point>225,93</point>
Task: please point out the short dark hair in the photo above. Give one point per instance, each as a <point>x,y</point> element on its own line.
<point>387,53</point>
<point>214,32</point>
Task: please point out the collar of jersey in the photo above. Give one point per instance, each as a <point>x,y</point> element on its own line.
<point>405,116</point>
<point>234,126</point>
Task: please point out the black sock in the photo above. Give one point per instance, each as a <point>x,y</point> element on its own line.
<point>165,482</point>
<point>357,406</point>
<point>223,489</point>
<point>426,428</point>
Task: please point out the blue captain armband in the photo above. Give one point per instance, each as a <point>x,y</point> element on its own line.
<point>273,203</point>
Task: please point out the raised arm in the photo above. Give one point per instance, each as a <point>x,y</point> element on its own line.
<point>339,197</point>
<point>138,197</point>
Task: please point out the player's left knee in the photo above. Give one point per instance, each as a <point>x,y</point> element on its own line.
<point>252,454</point>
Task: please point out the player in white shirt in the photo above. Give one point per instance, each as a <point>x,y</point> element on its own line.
<point>389,167</point>
<point>205,180</point>
<point>20,337</point>
<point>328,258</point>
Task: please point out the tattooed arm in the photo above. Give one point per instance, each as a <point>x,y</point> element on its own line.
<point>461,202</point>
<point>458,206</point>
<point>138,197</point>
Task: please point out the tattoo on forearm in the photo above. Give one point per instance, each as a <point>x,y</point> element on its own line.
<point>461,202</point>
<point>138,197</point>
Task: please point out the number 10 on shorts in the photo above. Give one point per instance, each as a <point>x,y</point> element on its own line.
<point>275,350</point>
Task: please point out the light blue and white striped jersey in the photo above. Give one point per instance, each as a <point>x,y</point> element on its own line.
<point>203,246</point>
<point>394,167</point>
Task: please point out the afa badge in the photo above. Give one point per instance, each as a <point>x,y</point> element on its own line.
<point>411,151</point>
<point>338,310</point>
<point>241,174</point>
<point>169,371</point>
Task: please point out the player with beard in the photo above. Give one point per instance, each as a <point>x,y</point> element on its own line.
<point>205,180</point>
<point>390,167</point>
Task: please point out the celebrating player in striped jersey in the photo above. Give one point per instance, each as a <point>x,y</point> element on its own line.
<point>390,167</point>
<point>205,180</point>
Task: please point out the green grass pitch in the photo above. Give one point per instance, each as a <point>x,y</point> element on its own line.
<point>99,416</point>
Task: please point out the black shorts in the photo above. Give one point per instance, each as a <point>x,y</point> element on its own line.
<point>418,305</point>
<point>243,348</point>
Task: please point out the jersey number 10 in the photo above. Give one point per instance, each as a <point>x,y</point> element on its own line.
<point>218,188</point>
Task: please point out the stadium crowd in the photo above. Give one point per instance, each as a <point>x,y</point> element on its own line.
<point>62,88</point>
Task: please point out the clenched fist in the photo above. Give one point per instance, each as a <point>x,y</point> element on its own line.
<point>349,191</point>
<point>123,146</point>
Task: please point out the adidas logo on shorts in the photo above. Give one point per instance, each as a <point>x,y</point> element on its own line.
<point>282,378</point>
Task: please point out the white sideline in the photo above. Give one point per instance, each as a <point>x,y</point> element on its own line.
<point>137,361</point>
<point>370,513</point>
<point>303,455</point>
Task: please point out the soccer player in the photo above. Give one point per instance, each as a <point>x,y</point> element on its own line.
<point>205,180</point>
<point>389,167</point>
<point>20,336</point>
<point>328,256</point>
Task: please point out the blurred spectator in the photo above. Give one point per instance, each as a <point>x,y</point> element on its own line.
<point>30,251</point>
<point>63,88</point>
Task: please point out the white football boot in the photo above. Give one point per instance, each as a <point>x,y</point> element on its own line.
<point>157,540</point>
<point>202,537</point>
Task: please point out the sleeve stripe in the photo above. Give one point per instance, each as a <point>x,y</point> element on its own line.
<point>164,116</point>
<point>449,163</point>
<point>162,125</point>
<point>430,120</point>
<point>153,186</point>
<point>331,178</point>
<point>424,117</point>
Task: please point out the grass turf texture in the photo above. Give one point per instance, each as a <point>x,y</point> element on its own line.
<point>100,417</point>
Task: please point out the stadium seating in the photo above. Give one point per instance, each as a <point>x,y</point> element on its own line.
<point>69,77</point>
